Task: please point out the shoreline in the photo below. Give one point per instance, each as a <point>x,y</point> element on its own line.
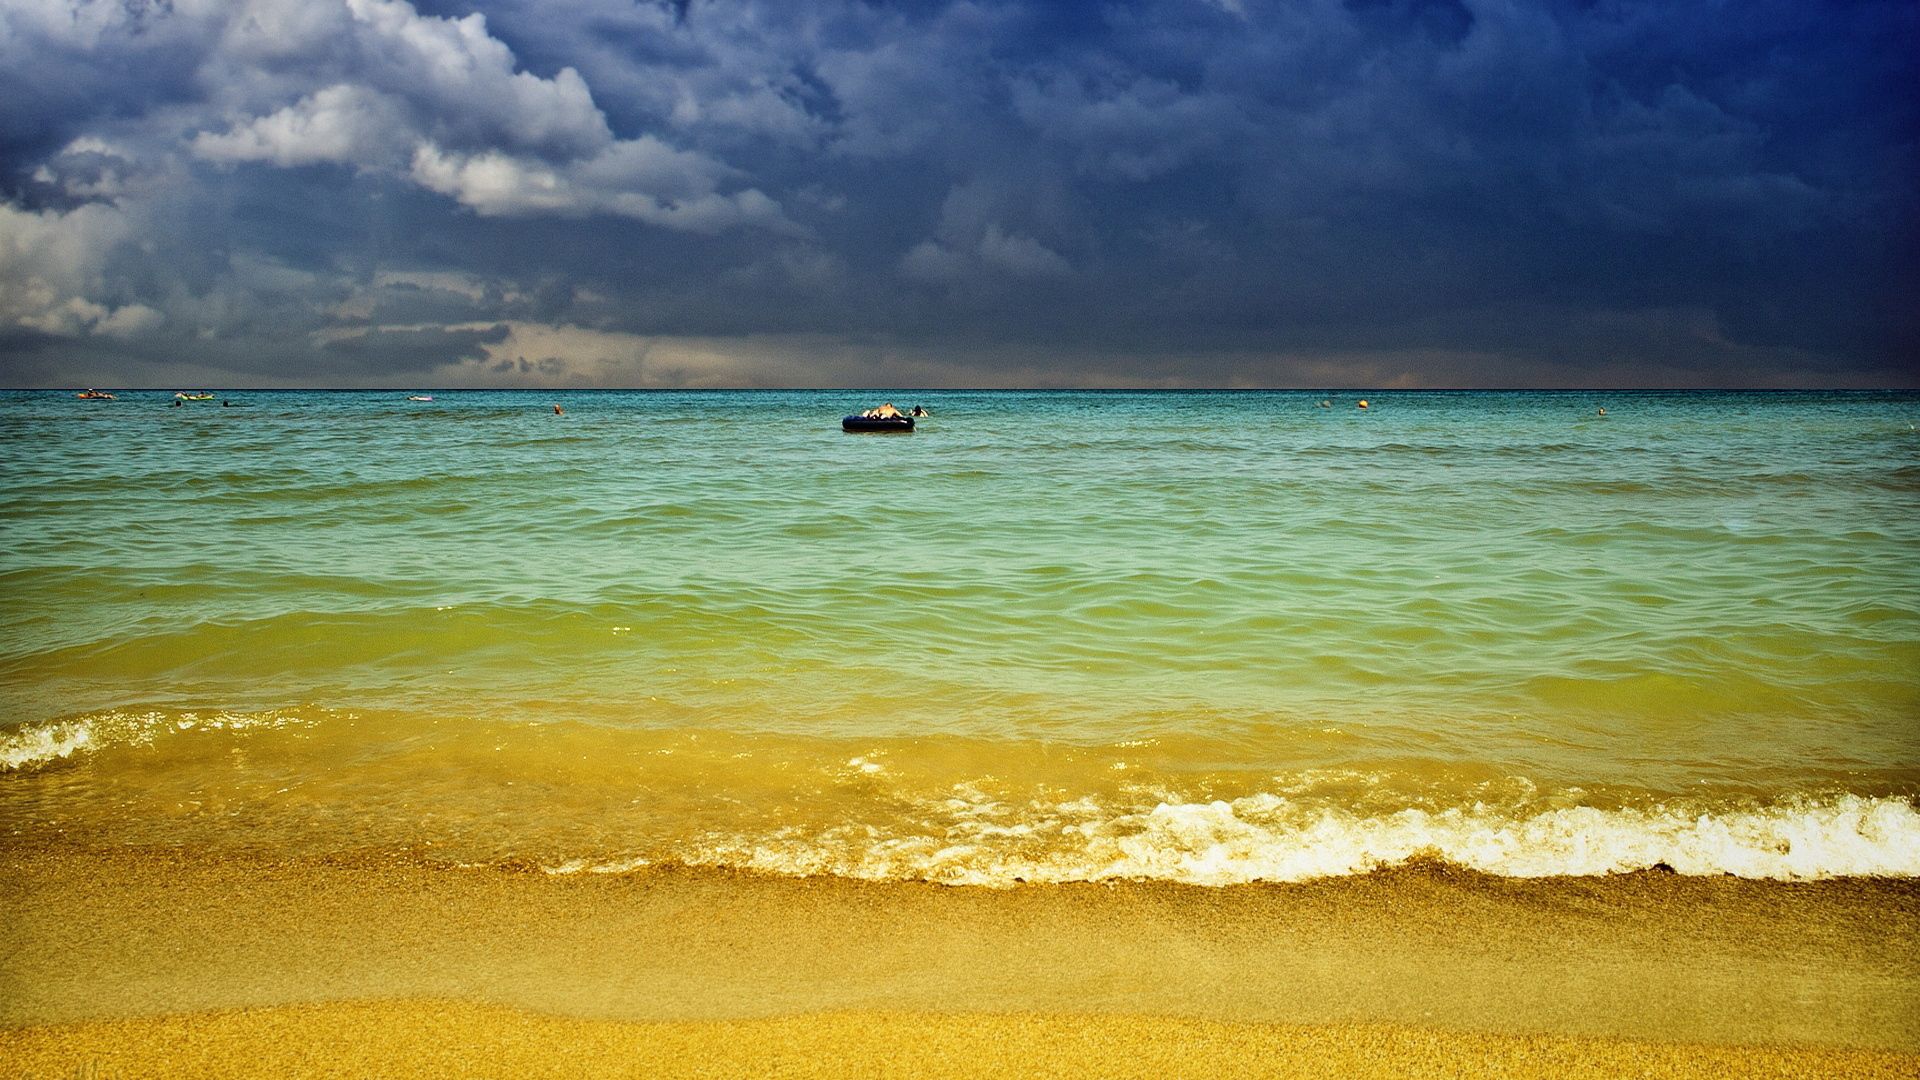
<point>125,949</point>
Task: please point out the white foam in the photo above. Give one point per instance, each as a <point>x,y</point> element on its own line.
<point>1273,839</point>
<point>39,744</point>
<point>1257,840</point>
<point>31,746</point>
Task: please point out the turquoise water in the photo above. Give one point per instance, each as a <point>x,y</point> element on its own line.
<point>1046,636</point>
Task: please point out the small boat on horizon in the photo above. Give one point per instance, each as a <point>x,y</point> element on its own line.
<point>419,397</point>
<point>94,395</point>
<point>201,395</point>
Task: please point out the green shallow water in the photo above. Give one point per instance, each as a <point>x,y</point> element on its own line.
<point>1698,604</point>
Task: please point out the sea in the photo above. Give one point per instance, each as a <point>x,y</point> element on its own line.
<point>1200,637</point>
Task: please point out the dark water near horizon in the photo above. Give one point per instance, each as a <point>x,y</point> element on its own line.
<point>1207,637</point>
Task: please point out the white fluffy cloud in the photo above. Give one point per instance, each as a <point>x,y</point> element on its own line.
<point>642,178</point>
<point>468,81</point>
<point>51,276</point>
<point>442,103</point>
<point>342,124</point>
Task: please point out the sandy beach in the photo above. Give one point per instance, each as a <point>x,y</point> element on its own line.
<point>436,1038</point>
<point>170,963</point>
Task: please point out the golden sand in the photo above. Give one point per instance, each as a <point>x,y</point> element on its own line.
<point>134,962</point>
<point>427,1038</point>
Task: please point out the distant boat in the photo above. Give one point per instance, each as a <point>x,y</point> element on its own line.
<point>419,397</point>
<point>201,396</point>
<point>94,395</point>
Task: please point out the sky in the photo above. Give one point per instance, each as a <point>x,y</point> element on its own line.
<point>777,193</point>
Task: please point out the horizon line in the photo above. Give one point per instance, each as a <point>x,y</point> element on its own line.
<point>989,389</point>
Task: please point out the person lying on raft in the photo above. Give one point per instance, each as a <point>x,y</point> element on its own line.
<point>884,412</point>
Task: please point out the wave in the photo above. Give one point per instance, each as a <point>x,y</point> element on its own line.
<point>41,744</point>
<point>34,746</point>
<point>1268,838</point>
<point>577,798</point>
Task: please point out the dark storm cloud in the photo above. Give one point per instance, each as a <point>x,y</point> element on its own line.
<point>410,351</point>
<point>1230,192</point>
<point>70,69</point>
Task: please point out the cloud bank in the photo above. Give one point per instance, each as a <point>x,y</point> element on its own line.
<point>738,192</point>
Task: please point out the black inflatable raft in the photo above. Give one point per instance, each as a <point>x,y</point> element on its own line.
<point>877,423</point>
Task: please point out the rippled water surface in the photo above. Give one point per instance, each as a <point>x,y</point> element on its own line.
<point>1208,636</point>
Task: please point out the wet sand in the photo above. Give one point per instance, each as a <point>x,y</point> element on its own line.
<point>175,963</point>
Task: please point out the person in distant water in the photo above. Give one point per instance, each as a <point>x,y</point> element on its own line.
<point>1603,410</point>
<point>176,402</point>
<point>916,411</point>
<point>558,411</point>
<point>884,412</point>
